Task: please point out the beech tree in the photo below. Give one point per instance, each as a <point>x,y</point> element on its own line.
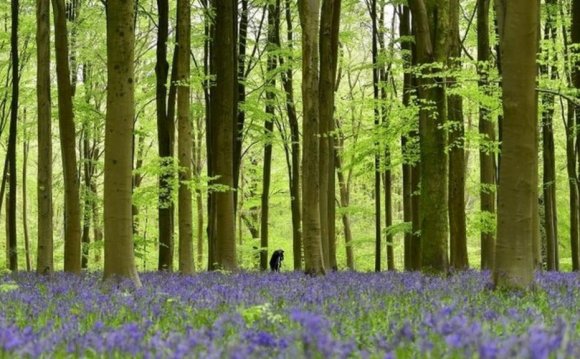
<point>119,256</point>
<point>518,174</point>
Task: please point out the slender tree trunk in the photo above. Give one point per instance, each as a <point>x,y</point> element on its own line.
<point>487,170</point>
<point>198,167</point>
<point>432,32</point>
<point>329,29</point>
<point>185,140</point>
<point>309,11</point>
<point>344,203</point>
<point>241,88</point>
<point>165,145</point>
<point>271,47</point>
<point>222,216</point>
<point>11,151</point>
<point>294,163</point>
<point>457,225</point>
<point>576,83</point>
<point>514,261</point>
<point>119,255</point>
<point>44,253</point>
<point>377,115</point>
<point>88,196</point>
<point>72,246</point>
<point>25,147</point>
<point>548,154</point>
<point>573,182</point>
<point>406,47</point>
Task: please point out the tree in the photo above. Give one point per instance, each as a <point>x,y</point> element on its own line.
<point>431,21</point>
<point>185,141</point>
<point>72,209</point>
<point>221,217</point>
<point>119,256</point>
<point>11,151</point>
<point>517,193</point>
<point>309,11</point>
<point>44,262</point>
<point>165,128</point>
<point>487,170</point>
<point>457,225</point>
<point>271,47</point>
<point>575,241</point>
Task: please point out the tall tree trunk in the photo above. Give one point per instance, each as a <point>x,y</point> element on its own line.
<point>344,203</point>
<point>548,154</point>
<point>329,28</point>
<point>457,226</point>
<point>487,170</point>
<point>432,31</point>
<point>222,217</point>
<point>11,151</point>
<point>119,255</point>
<point>573,183</point>
<point>377,115</point>
<point>44,253</point>
<point>576,83</point>
<point>270,83</point>
<point>405,31</point>
<point>309,11</point>
<point>25,149</point>
<point>514,261</point>
<point>72,209</point>
<point>294,170</point>
<point>88,196</point>
<point>185,140</point>
<point>241,93</point>
<point>165,127</point>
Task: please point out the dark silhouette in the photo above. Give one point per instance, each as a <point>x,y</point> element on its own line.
<point>276,260</point>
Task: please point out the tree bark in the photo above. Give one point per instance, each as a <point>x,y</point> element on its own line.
<point>294,170</point>
<point>309,11</point>
<point>44,253</point>
<point>487,170</point>
<point>11,150</point>
<point>514,261</point>
<point>576,82</point>
<point>457,225</point>
<point>72,209</point>
<point>119,255</point>
<point>271,47</point>
<point>25,150</point>
<point>165,127</point>
<point>431,21</point>
<point>329,29</point>
<point>222,218</point>
<point>548,154</point>
<point>241,93</point>
<point>185,141</point>
<point>377,115</point>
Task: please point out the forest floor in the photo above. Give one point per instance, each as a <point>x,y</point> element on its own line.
<point>288,315</point>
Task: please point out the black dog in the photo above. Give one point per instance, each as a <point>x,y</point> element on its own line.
<point>276,260</point>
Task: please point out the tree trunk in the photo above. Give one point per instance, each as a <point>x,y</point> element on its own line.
<point>573,181</point>
<point>457,226</point>
<point>11,151</point>
<point>185,140</point>
<point>344,203</point>
<point>377,115</point>
<point>576,82</point>
<point>165,127</point>
<point>404,31</point>
<point>309,11</point>
<point>72,236</point>
<point>25,149</point>
<point>119,255</point>
<point>514,261</point>
<point>431,34</point>
<point>44,253</point>
<point>487,170</point>
<point>294,163</point>
<point>548,154</point>
<point>222,218</point>
<point>329,27</point>
<point>241,93</point>
<point>270,84</point>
